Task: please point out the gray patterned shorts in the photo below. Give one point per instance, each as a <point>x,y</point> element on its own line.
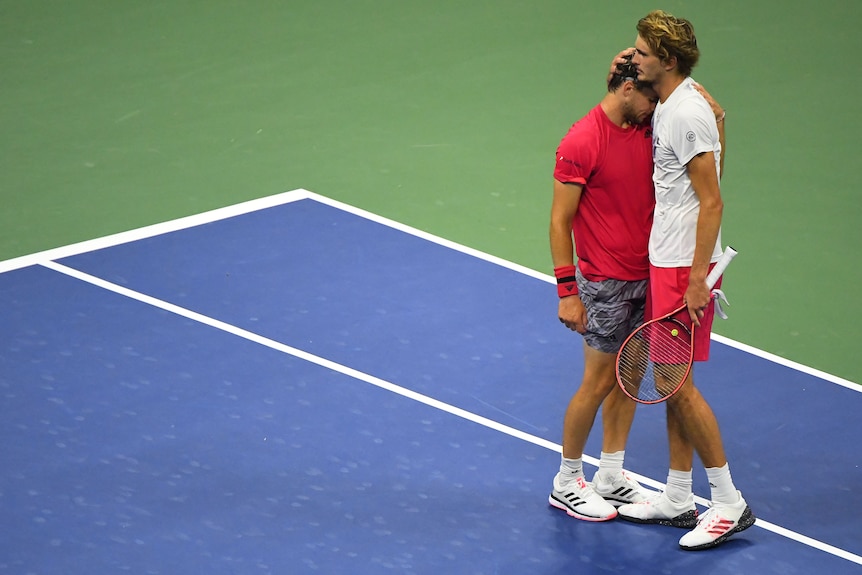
<point>614,309</point>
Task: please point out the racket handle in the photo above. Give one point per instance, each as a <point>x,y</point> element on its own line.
<point>720,266</point>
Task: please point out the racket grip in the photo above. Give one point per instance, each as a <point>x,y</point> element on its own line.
<point>720,266</point>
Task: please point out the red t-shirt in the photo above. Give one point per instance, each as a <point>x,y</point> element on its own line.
<point>614,217</point>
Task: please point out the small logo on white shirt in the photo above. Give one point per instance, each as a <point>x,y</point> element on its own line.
<point>690,136</point>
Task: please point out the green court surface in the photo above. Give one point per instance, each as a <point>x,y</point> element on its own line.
<point>442,115</point>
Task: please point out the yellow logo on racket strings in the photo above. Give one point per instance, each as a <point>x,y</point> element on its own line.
<point>674,332</point>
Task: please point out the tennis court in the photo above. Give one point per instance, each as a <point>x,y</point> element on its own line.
<point>295,385</point>
<point>290,384</point>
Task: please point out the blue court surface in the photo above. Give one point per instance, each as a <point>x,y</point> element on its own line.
<point>295,386</point>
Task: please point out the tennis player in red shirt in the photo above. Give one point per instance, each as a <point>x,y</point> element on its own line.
<point>603,196</point>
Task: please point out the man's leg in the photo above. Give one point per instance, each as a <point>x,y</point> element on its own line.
<point>597,382</point>
<point>675,505</point>
<point>618,412</point>
<point>694,423</point>
<point>571,491</point>
<point>599,388</point>
<point>679,480</point>
<point>611,481</point>
<point>691,423</point>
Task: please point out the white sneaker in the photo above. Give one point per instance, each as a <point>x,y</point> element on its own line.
<point>620,490</point>
<point>660,510</point>
<point>718,523</point>
<point>577,498</point>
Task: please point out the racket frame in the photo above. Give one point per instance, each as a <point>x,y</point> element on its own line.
<point>711,279</point>
<point>687,363</point>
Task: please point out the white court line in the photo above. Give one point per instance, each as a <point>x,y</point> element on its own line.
<point>155,230</point>
<point>550,279</point>
<point>302,194</point>
<point>383,384</point>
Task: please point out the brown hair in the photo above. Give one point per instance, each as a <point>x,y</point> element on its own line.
<point>670,37</point>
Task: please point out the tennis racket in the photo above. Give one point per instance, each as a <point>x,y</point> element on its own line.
<point>655,360</point>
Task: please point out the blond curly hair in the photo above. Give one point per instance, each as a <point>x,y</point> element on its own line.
<point>670,37</point>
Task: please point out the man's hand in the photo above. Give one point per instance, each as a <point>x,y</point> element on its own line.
<point>619,60</point>
<point>573,314</point>
<point>697,298</point>
<point>716,107</point>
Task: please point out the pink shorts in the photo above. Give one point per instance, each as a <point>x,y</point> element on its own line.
<point>666,291</point>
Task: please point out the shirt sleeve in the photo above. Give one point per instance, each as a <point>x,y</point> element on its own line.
<point>576,157</point>
<point>694,132</point>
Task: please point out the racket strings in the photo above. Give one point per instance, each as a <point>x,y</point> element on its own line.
<point>655,361</point>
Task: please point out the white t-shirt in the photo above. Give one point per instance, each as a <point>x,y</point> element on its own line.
<point>683,127</point>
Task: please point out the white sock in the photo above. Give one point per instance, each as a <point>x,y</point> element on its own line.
<point>611,464</point>
<point>678,485</point>
<point>721,485</point>
<point>571,468</point>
